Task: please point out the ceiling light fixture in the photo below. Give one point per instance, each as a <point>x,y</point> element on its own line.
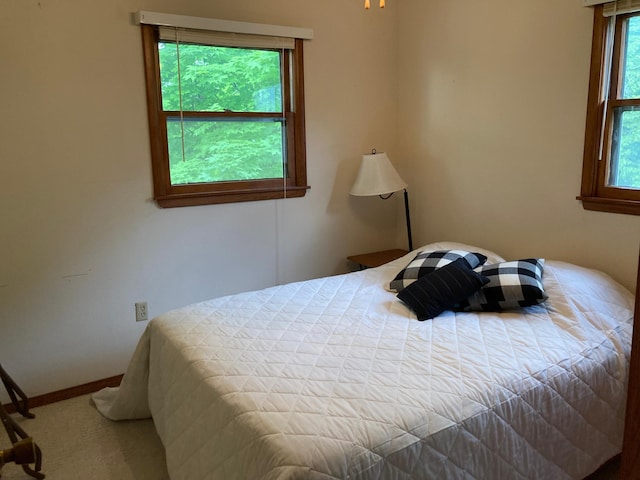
<point>367,4</point>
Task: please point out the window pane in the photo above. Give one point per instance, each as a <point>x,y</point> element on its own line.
<point>218,151</point>
<point>631,64</point>
<point>625,149</point>
<point>218,79</point>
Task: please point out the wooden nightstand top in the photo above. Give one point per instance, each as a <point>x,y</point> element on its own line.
<point>375,259</point>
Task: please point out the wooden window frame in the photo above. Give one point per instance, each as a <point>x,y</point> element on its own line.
<point>595,194</point>
<point>168,195</point>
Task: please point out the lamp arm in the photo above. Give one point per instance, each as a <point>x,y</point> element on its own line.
<point>406,212</point>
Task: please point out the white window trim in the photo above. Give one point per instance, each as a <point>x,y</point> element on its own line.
<point>213,24</point>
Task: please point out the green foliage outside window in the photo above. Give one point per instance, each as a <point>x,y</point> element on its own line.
<point>202,78</point>
<point>625,167</point>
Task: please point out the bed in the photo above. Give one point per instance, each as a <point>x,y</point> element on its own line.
<point>335,378</point>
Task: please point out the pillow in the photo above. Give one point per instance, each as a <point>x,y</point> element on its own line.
<point>492,257</point>
<point>511,285</point>
<point>442,289</point>
<point>427,262</point>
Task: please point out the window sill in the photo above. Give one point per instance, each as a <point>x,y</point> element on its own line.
<point>611,205</point>
<point>207,198</point>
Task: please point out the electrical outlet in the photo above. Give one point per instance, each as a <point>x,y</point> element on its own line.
<point>141,312</point>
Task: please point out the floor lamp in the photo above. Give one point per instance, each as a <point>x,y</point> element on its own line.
<point>377,177</point>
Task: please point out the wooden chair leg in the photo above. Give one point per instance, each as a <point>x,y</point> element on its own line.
<point>14,431</point>
<point>14,391</point>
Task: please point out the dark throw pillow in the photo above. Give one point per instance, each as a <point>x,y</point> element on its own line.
<point>427,262</point>
<point>442,289</point>
<point>511,285</point>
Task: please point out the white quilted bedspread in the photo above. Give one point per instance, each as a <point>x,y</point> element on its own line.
<point>334,378</point>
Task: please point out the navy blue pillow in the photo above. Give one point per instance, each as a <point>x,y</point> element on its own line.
<point>442,289</point>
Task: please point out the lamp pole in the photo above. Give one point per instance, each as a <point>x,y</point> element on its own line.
<point>406,211</point>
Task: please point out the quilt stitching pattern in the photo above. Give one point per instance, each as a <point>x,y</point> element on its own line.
<point>332,378</point>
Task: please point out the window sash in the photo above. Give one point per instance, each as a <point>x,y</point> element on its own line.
<point>614,105</point>
<point>177,99</point>
<point>226,39</point>
<point>617,160</point>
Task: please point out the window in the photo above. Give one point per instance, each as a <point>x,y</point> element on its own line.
<point>611,168</point>
<point>226,116</point>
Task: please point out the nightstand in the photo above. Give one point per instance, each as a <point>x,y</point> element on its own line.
<point>375,259</point>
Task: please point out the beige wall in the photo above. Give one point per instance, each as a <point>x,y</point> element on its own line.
<point>480,105</point>
<point>81,239</point>
<point>492,104</point>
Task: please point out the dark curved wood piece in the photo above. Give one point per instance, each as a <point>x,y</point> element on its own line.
<point>14,431</point>
<point>630,465</point>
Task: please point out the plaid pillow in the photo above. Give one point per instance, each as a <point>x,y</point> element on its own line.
<point>511,285</point>
<point>441,289</point>
<point>427,262</point>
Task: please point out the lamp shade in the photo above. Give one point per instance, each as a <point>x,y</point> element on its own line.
<point>377,177</point>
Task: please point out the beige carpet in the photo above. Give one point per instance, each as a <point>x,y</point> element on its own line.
<point>78,443</point>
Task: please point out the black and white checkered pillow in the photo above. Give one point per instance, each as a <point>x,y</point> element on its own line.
<point>511,285</point>
<point>426,262</point>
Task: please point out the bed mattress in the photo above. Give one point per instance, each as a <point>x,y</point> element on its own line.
<point>334,378</point>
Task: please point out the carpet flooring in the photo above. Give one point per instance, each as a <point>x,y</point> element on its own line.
<point>79,443</point>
